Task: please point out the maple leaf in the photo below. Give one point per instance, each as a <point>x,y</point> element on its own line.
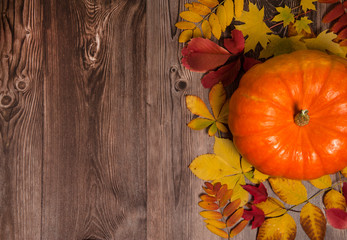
<point>303,25</point>
<point>324,42</point>
<point>202,55</point>
<point>256,214</point>
<point>285,15</point>
<point>308,4</point>
<point>337,218</point>
<point>254,27</point>
<point>259,193</point>
<point>219,105</point>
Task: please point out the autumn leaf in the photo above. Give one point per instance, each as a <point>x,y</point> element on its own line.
<point>229,10</point>
<point>256,214</point>
<point>238,8</point>
<point>322,182</point>
<point>290,191</point>
<point>344,191</point>
<point>206,29</point>
<point>313,221</point>
<point>198,8</point>
<point>272,207</point>
<point>222,17</point>
<point>334,199</point>
<point>235,44</point>
<point>191,16</point>
<point>202,55</point>
<point>249,62</point>
<point>254,27</point>
<point>328,1</point>
<point>215,25</point>
<point>217,231</point>
<point>240,193</point>
<point>285,15</point>
<point>231,207</point>
<point>340,24</point>
<point>336,218</point>
<point>307,4</point>
<point>259,176</point>
<point>283,227</point>
<point>197,33</point>
<point>217,223</point>
<point>209,3</point>
<point>211,215</point>
<point>344,172</point>
<point>235,217</point>
<point>334,13</point>
<point>303,25</point>
<point>259,193</point>
<point>324,42</point>
<point>238,228</point>
<point>185,36</point>
<point>185,25</point>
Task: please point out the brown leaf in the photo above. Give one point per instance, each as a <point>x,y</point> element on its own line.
<point>235,217</point>
<point>313,221</point>
<point>239,227</point>
<point>208,205</point>
<point>231,207</point>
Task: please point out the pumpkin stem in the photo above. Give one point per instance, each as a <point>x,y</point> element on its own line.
<point>302,118</point>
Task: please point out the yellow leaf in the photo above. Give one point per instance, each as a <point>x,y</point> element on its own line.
<point>217,98</point>
<point>221,127</point>
<point>185,25</point>
<point>198,8</point>
<point>212,130</point>
<point>209,3</point>
<point>206,29</point>
<point>226,149</point>
<point>334,199</point>
<point>307,4</point>
<point>198,107</point>
<point>210,167</point>
<point>208,205</point>
<point>260,176</point>
<point>215,25</point>
<point>211,215</point>
<point>222,17</point>
<point>272,207</point>
<point>281,228</point>
<point>239,227</point>
<point>239,192</point>
<point>216,223</point>
<point>290,191</point>
<point>185,36</point>
<point>245,166</point>
<point>322,182</point>
<point>191,16</point>
<point>224,113</point>
<point>229,10</point>
<point>196,33</point>
<point>217,231</point>
<point>199,123</point>
<point>231,181</point>
<point>238,7</point>
<point>344,172</point>
<point>313,221</point>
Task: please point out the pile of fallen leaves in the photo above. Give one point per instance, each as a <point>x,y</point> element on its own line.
<point>235,192</point>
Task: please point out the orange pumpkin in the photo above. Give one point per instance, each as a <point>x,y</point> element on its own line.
<point>288,116</point>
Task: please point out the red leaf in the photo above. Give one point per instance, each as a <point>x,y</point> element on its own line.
<point>328,1</point>
<point>344,190</point>
<point>337,218</point>
<point>248,63</point>
<point>335,13</point>
<point>202,55</point>
<point>343,43</point>
<point>342,34</point>
<point>235,44</point>
<point>226,74</point>
<point>259,193</point>
<point>256,214</point>
<point>341,23</point>
<point>344,4</point>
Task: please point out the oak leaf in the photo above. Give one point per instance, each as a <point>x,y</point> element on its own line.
<point>322,182</point>
<point>290,191</point>
<point>283,228</point>
<point>254,27</point>
<point>284,14</point>
<point>313,221</point>
<point>334,199</point>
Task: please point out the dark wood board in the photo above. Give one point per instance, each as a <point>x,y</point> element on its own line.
<point>94,143</point>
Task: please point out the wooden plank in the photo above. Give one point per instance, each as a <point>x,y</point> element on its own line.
<point>20,119</point>
<point>95,167</point>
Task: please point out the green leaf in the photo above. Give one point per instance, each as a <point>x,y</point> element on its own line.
<point>284,15</point>
<point>303,24</point>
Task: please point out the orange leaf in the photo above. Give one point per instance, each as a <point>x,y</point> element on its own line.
<point>235,217</point>
<point>313,221</point>
<point>191,16</point>
<point>207,198</point>
<point>209,3</point>
<point>231,207</point>
<point>216,223</point>
<point>217,231</point>
<point>334,13</point>
<point>211,215</point>
<point>208,205</point>
<point>198,8</point>
<point>236,230</point>
<point>225,198</point>
<point>217,186</point>
<point>334,199</point>
<point>209,191</point>
<point>222,192</point>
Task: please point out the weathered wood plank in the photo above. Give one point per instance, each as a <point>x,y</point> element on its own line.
<point>21,111</point>
<point>95,167</point>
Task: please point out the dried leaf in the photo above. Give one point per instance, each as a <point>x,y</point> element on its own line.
<point>206,29</point>
<point>334,13</point>
<point>198,8</point>
<point>198,107</point>
<point>200,123</point>
<point>217,231</point>
<point>290,191</point>
<point>229,10</point>
<point>259,193</point>
<point>191,16</point>
<point>272,207</point>
<point>208,205</point>
<point>280,228</point>
<point>222,17</point>
<point>216,223</point>
<point>235,217</point>
<point>322,182</point>
<point>202,55</point>
<point>254,27</point>
<point>211,215</point>
<point>231,207</point>
<point>215,25</point>
<point>334,199</point>
<point>236,43</point>
<point>285,15</point>
<point>239,227</point>
<point>209,3</point>
<point>308,4</point>
<point>256,214</point>
<point>336,218</point>
<point>185,25</point>
<point>185,36</point>
<point>313,221</point>
<point>238,7</point>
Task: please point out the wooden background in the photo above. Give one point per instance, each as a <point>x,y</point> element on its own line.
<point>93,136</point>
